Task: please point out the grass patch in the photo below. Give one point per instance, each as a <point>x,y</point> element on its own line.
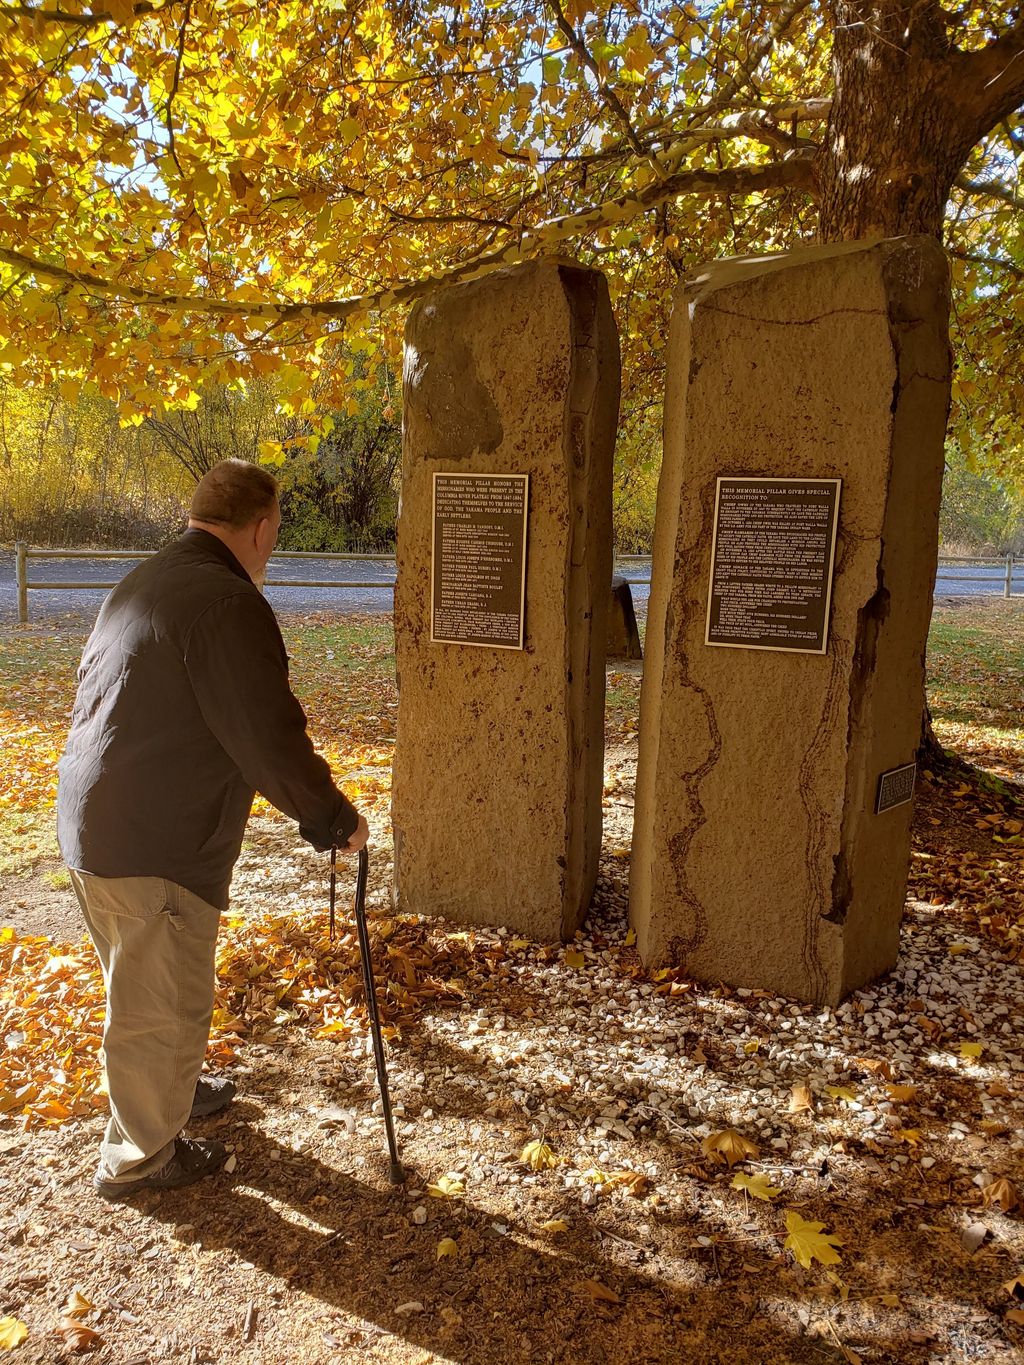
<point>343,671</point>
<point>26,839</point>
<point>976,682</point>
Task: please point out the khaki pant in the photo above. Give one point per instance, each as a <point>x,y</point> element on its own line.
<point>156,944</point>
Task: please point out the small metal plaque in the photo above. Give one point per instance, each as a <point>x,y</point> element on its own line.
<point>772,558</point>
<point>478,562</point>
<point>896,787</point>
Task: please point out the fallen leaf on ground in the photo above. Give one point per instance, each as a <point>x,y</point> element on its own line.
<point>574,958</point>
<point>1015,1287</point>
<point>554,1225</point>
<point>12,1333</point>
<point>728,1146</point>
<point>902,1092</point>
<point>810,1242</point>
<point>538,1155</point>
<point>800,1098</point>
<point>1002,1193</point>
<point>971,1051</point>
<point>78,1337</point>
<point>635,1182</point>
<point>77,1305</point>
<point>1016,1316</point>
<point>876,1065</point>
<point>911,1136</point>
<point>447,1187</point>
<point>600,1293</point>
<point>413,1306</point>
<point>447,1246</point>
<point>841,1092</point>
<point>757,1185</point>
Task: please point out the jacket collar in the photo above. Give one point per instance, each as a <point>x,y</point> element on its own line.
<point>211,545</point>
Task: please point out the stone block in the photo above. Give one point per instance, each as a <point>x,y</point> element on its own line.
<point>623,635</point>
<point>498,773</point>
<point>758,858</point>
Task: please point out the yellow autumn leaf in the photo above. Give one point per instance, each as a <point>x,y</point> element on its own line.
<point>911,1136</point>
<point>841,1092</point>
<point>728,1146</point>
<point>810,1242</point>
<point>447,1246</point>
<point>630,938</point>
<point>447,1187</point>
<point>595,1176</point>
<point>538,1155</point>
<point>518,944</point>
<point>12,1333</point>
<point>902,1092</point>
<point>575,959</point>
<point>554,1225</point>
<point>757,1185</point>
<point>77,1305</point>
<point>971,1051</point>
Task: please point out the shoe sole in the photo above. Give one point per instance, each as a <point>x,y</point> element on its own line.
<point>118,1193</point>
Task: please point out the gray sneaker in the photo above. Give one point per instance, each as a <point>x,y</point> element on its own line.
<point>192,1160</point>
<point>213,1093</point>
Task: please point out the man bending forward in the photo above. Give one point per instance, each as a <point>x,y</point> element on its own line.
<point>183,712</point>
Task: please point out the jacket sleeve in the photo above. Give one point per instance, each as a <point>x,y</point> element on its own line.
<point>238,668</point>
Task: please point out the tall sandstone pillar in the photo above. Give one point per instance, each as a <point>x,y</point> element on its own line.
<point>758,857</point>
<point>496,799</point>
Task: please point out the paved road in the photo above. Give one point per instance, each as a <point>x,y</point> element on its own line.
<point>82,606</point>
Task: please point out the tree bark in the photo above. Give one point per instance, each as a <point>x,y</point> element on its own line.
<point>904,119</point>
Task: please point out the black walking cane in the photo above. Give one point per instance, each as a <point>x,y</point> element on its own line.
<point>397,1170</point>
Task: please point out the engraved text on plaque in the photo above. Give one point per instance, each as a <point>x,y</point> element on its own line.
<point>478,576</point>
<point>771,563</point>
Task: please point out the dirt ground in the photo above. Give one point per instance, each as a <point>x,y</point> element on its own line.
<point>894,1125</point>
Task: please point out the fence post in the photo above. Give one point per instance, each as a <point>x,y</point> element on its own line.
<point>21,577</point>
<point>1008,582</point>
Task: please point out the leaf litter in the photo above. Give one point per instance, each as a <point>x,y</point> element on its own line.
<point>642,1241</point>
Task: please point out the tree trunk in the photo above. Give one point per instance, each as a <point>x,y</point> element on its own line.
<point>903,122</point>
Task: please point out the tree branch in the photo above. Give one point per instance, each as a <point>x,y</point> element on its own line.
<point>179,57</point>
<point>91,19</point>
<point>794,174</point>
<point>989,189</point>
<point>998,74</point>
<point>608,95</point>
<point>989,262</point>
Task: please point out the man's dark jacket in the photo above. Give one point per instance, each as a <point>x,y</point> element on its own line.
<point>184,712</point>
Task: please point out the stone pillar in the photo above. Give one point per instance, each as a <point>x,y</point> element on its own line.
<point>758,858</point>
<point>499,757</point>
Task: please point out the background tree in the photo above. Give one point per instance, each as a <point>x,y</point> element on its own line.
<point>72,475</point>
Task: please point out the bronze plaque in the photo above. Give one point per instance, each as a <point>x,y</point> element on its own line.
<point>771,563</point>
<point>478,569</point>
<point>896,787</point>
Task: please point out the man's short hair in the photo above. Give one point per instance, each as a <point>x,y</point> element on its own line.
<point>234,493</point>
